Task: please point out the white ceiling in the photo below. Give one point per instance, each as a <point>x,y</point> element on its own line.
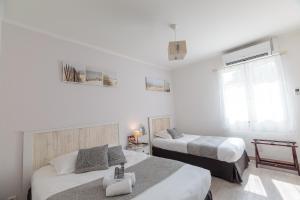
<point>139,28</point>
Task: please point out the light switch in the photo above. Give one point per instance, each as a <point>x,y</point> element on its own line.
<point>297,91</point>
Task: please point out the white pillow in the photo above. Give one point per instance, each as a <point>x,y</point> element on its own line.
<point>163,134</point>
<point>65,164</point>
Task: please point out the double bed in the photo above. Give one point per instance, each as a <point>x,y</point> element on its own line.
<point>225,157</point>
<point>156,178</point>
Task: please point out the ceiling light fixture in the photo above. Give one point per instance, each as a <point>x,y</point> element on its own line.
<point>177,49</point>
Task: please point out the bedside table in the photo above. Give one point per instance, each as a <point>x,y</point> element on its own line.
<point>142,148</point>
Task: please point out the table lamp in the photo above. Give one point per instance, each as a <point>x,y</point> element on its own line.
<point>137,134</point>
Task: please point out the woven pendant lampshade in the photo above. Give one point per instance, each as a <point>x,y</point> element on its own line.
<point>177,49</point>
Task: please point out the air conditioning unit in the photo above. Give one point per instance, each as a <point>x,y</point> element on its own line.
<point>249,53</point>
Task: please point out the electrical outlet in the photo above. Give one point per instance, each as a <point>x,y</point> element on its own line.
<point>12,198</point>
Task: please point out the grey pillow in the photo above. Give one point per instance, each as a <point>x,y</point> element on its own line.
<point>116,156</point>
<point>92,159</point>
<point>174,133</point>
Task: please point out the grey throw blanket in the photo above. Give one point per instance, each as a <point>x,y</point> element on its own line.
<point>205,146</point>
<point>148,173</point>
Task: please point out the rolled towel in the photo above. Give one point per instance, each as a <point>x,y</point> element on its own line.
<point>109,179</point>
<point>131,176</point>
<point>121,187</point>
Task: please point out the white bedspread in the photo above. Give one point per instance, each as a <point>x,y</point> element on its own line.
<point>229,151</point>
<point>188,183</point>
<point>178,145</point>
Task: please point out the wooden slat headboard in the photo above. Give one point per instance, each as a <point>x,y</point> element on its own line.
<point>156,124</point>
<point>41,146</point>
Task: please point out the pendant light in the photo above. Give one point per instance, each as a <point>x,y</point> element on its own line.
<point>177,49</point>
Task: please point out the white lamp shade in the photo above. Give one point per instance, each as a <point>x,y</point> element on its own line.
<point>177,50</point>
<point>137,133</point>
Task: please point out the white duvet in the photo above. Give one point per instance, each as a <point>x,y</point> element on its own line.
<point>229,151</point>
<point>188,183</point>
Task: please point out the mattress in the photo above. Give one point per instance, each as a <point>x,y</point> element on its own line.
<point>229,151</point>
<point>188,182</point>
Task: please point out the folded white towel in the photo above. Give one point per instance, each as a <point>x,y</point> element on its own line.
<point>124,186</point>
<point>109,179</point>
<point>131,176</point>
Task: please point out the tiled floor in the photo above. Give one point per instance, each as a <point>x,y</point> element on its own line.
<point>259,184</point>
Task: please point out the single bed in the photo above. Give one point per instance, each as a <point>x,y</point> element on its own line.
<point>225,157</point>
<point>185,181</point>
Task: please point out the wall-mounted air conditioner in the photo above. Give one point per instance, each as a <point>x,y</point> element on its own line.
<point>249,53</point>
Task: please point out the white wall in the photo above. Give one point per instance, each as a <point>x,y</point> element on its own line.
<point>2,6</point>
<point>197,105</point>
<point>33,96</point>
<point>1,9</point>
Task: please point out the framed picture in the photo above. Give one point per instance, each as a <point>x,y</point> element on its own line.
<point>157,85</point>
<point>74,73</point>
<point>94,78</point>
<point>110,79</point>
<point>131,139</point>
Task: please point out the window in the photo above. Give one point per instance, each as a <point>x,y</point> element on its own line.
<point>253,96</point>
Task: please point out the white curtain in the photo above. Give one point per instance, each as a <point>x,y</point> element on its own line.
<point>253,96</point>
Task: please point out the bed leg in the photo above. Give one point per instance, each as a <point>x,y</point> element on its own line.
<point>295,159</point>
<point>256,156</point>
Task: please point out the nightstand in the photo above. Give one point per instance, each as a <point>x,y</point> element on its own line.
<point>142,148</point>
